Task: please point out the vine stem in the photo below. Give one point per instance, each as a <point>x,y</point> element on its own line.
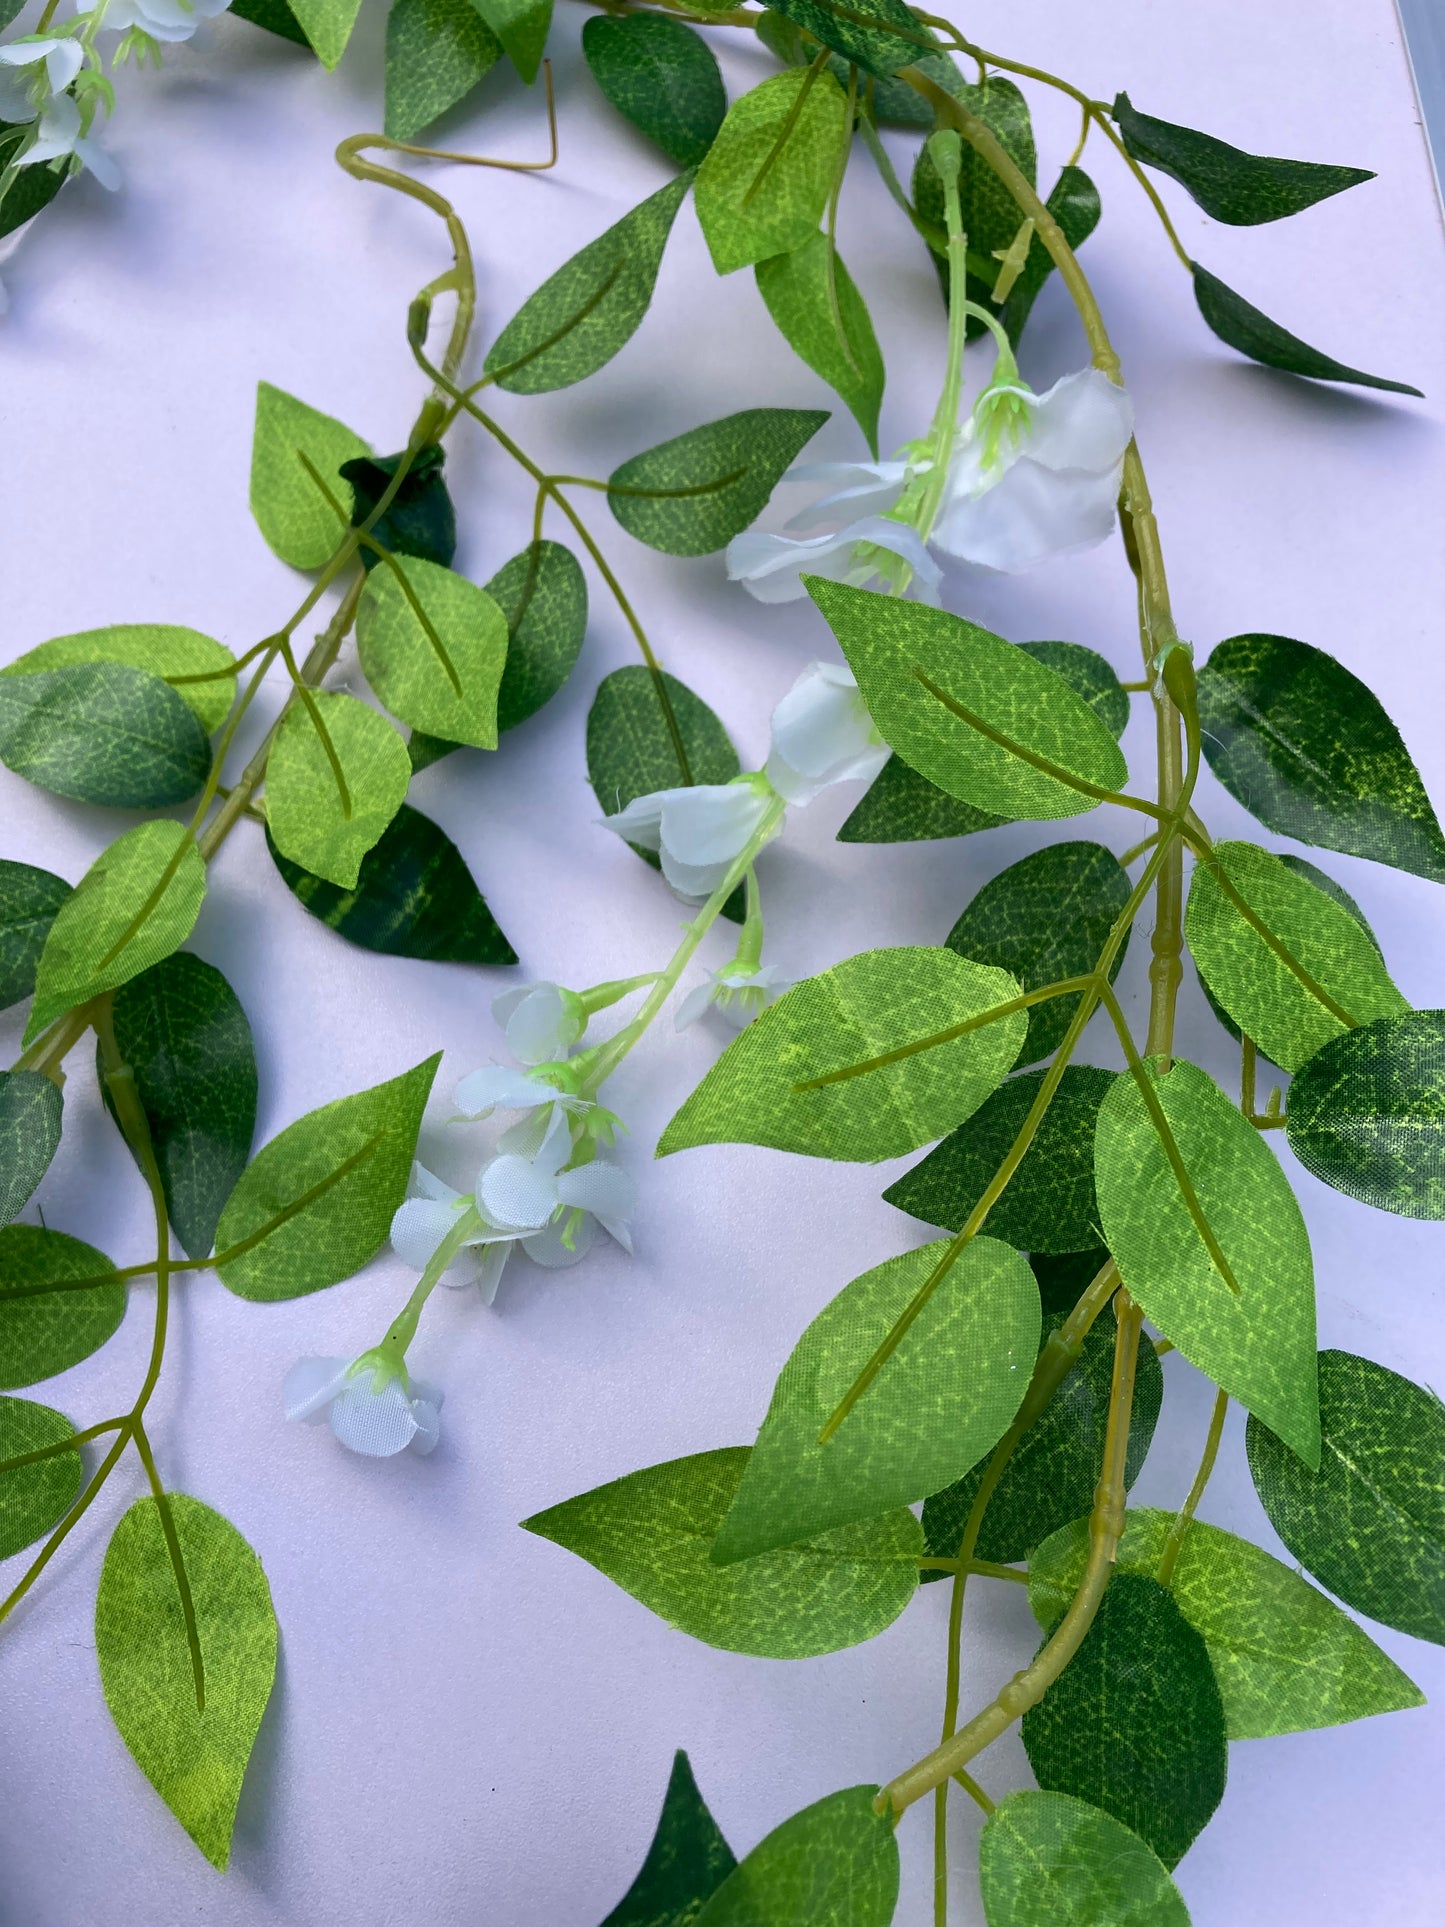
<point>1179,1531</point>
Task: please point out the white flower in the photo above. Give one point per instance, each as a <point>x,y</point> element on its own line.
<point>373,1407</point>
<point>822,734</point>
<point>60,133</point>
<point>769,566</point>
<point>504,1087</point>
<point>555,1212</point>
<point>63,59</point>
<point>162,19</point>
<point>739,992</point>
<point>699,832</point>
<point>421,1223</point>
<point>542,1021</point>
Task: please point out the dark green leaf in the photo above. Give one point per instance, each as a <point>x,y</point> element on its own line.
<point>29,902</point>
<point>1367,1114</point>
<point>1307,748</point>
<point>1065,1276</point>
<point>543,594</point>
<point>30,1114</point>
<point>275,16</point>
<point>1242,189</point>
<point>34,1497</point>
<point>1049,1205</point>
<point>199,669</point>
<point>693,494</point>
<point>662,76</point>
<point>687,1861</point>
<point>763,186</point>
<point>1242,326</point>
<point>592,306</point>
<point>866,42</point>
<point>1043,919</point>
<point>1370,1524</point>
<point>835,1864</point>
<point>1048,1860</point>
<point>33,188</point>
<point>42,1330</point>
<point>824,319</point>
<point>1134,1724</point>
<point>651,1533</point>
<point>414,897</point>
<point>890,101</point>
<point>1055,1467</point>
<point>522,27</point>
<point>436,52</point>
<point>1074,204</point>
<point>182,1030</point>
<point>103,733</point>
<point>419,520</point>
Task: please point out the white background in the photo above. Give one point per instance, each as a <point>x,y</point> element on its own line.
<point>469,1725</point>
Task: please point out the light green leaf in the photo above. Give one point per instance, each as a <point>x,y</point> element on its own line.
<point>306,813</point>
<point>195,1760</point>
<point>162,648</point>
<point>317,1201</point>
<point>290,439</point>
<point>136,903</point>
<point>693,494</point>
<point>29,901</point>
<point>592,306</point>
<point>688,1859</point>
<point>1256,1341</point>
<point>436,52</point>
<point>432,646</point>
<point>103,733</point>
<point>1370,1524</point>
<point>1049,1860</point>
<point>945,1396</point>
<point>521,26</point>
<point>1286,1658</point>
<point>865,1007</point>
<point>30,1115</point>
<point>835,1864</point>
<point>767,176</point>
<point>1239,323</point>
<point>44,1331</point>
<point>662,76</point>
<point>1286,1017</point>
<point>1367,1114</point>
<point>976,715</point>
<point>327,24</point>
<point>825,321</point>
<point>34,1497</point>
<point>651,1532</point>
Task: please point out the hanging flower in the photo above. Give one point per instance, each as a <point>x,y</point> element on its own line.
<point>699,832</point>
<point>171,20</point>
<point>771,567</point>
<point>738,992</point>
<point>542,1021</point>
<point>822,734</point>
<point>555,1212</point>
<point>373,1406</point>
<point>425,1219</point>
<point>61,132</point>
<point>62,58</point>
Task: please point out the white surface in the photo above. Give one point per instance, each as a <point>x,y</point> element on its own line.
<point>469,1725</point>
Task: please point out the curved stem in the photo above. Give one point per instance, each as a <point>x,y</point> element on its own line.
<point>1179,1531</point>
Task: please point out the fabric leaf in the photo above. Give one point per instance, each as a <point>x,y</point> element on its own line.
<point>30,1118</point>
<point>522,27</point>
<point>103,732</point>
<point>865,41</point>
<point>1367,1114</point>
<point>663,76</point>
<point>420,520</point>
<point>1229,184</point>
<point>835,1864</point>
<point>291,439</point>
<point>42,1331</point>
<point>691,495</point>
<point>825,321</point>
<point>163,649</point>
<point>765,181</point>
<point>687,1861</point>
<point>30,899</point>
<point>1049,1860</point>
<point>1241,325</point>
<point>436,52</point>
<point>33,1498</point>
<point>306,813</point>
<point>432,646</point>
<point>327,25</point>
<point>1074,203</point>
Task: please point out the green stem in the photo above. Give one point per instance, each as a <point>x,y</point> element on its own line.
<point>1179,1531</point>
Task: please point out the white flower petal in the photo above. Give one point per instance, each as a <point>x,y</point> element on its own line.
<point>376,1424</point>
<point>16,106</point>
<point>1084,421</point>
<point>769,566</point>
<point>500,1087</point>
<point>540,1027</point>
<point>426,1184</point>
<point>821,734</point>
<point>310,1386</point>
<point>556,1146</point>
<point>711,822</point>
<point>514,1193</point>
<point>103,166</point>
<point>546,1247</point>
<point>63,61</point>
<point>492,1263</point>
<point>641,821</point>
<point>694,1005</point>
<point>1031,514</point>
<point>866,488</point>
<point>606,1190</point>
<point>426,1409</point>
<point>418,1228</point>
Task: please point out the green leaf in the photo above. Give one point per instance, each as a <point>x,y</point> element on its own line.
<point>44,1331</point>
<point>835,1864</point>
<point>1370,1524</point>
<point>1043,919</point>
<point>432,646</point>
<point>592,306</point>
<point>327,24</point>
<point>1049,1205</point>
<point>1230,185</point>
<point>522,27</point>
<point>825,321</point>
<point>631,751</point>
<point>1367,1114</point>
<point>902,652</point>
<point>1256,1341</point>
<point>136,903</point>
<point>1307,749</point>
<point>34,1497</point>
<point>1134,1724</point>
<point>866,41</point>
<point>688,1859</point>
<point>194,1760</point>
<point>1056,1464</point>
<point>879,1002</point>
<point>1065,1276</point>
<point>30,1114</point>
<point>991,216</point>
<point>436,52</point>
<point>311,821</point>
<point>650,1533</point>
<point>291,439</point>
<point>29,902</point>
<point>766,180</point>
<point>182,1030</point>
<point>163,648</point>
<point>103,733</point>
<point>32,189</point>
<point>1287,1018</point>
<point>1240,324</point>
<point>317,1201</point>
<point>692,495</point>
<point>662,76</point>
<point>419,520</point>
<point>1049,1860</point>
<point>1287,1660</point>
<point>542,593</point>
<point>414,897</point>
<point>1075,205</point>
<point>275,16</point>
<point>945,1396</point>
